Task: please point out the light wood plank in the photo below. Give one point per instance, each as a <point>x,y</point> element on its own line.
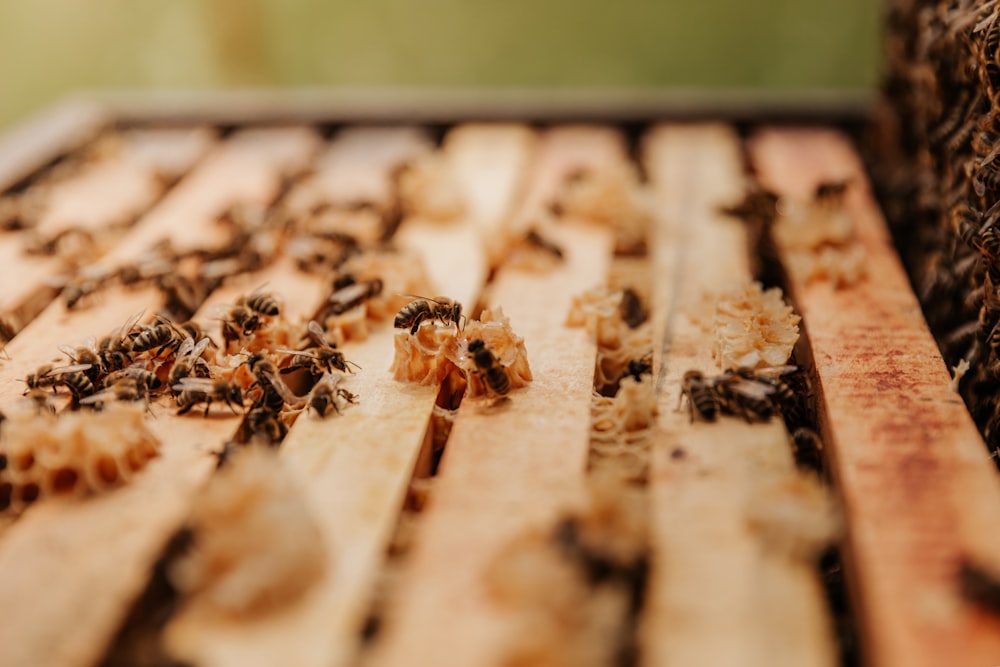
<point>919,490</point>
<point>355,468</point>
<point>114,190</point>
<point>717,595</point>
<point>510,468</point>
<point>92,557</point>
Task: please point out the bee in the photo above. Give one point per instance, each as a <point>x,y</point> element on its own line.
<point>60,242</point>
<point>42,400</point>
<point>86,355</point>
<point>145,380</point>
<point>77,290</point>
<point>758,206</point>
<point>181,295</point>
<point>831,192</point>
<point>320,359</point>
<point>631,309</point>
<point>440,308</point>
<point>350,296</point>
<point>239,322</point>
<point>156,338</point>
<point>124,389</point>
<point>189,361</point>
<point>324,395</point>
<point>192,391</point>
<point>987,242</point>
<point>702,398</point>
<point>636,368</point>
<point>115,349</point>
<point>487,367</point>
<point>808,449</point>
<point>273,392</point>
<point>42,377</point>
<point>536,240</point>
<point>263,425</point>
<point>151,267</point>
<point>75,379</point>
<point>263,303</point>
<point>752,393</point>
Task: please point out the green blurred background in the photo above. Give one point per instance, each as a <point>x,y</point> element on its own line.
<point>49,48</point>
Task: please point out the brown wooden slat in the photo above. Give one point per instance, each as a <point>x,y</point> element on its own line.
<point>718,594</point>
<point>92,558</point>
<point>355,468</point>
<point>508,469</point>
<point>919,490</point>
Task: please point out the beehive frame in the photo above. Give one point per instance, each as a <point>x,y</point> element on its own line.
<point>715,591</point>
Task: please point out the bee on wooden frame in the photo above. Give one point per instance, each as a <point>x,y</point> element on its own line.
<point>702,399</point>
<point>193,391</point>
<point>494,375</point>
<point>319,359</point>
<point>424,308</point>
<point>350,296</point>
<point>324,395</point>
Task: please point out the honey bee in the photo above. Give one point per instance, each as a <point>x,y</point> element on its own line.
<point>808,449</point>
<point>146,381</point>
<point>350,296</point>
<point>161,336</point>
<point>86,355</point>
<point>124,389</point>
<point>440,308</point>
<point>739,392</point>
<point>636,368</point>
<point>324,395</point>
<point>264,426</point>
<point>181,295</point>
<point>536,240</point>
<point>831,192</point>
<point>758,206</point>
<point>701,396</point>
<point>193,391</point>
<point>88,282</point>
<point>488,368</point>
<point>42,377</point>
<point>114,350</point>
<point>71,239</point>
<point>239,322</point>
<point>42,400</point>
<point>189,361</point>
<point>631,309</point>
<point>74,378</point>
<point>263,303</point>
<point>273,392</point>
<point>320,359</point>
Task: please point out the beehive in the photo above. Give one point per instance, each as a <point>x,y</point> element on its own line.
<point>544,526</point>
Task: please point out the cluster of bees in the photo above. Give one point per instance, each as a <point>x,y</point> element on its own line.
<point>940,177</point>
<point>139,362</point>
<point>756,395</point>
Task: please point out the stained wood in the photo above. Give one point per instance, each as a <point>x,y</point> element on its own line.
<point>919,489</point>
<point>112,191</point>
<point>511,467</point>
<point>718,594</point>
<point>92,558</point>
<point>355,467</point>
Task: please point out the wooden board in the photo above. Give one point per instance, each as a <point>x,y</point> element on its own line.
<point>918,487</point>
<point>355,468</point>
<point>718,595</point>
<point>112,191</point>
<point>93,558</point>
<point>509,468</point>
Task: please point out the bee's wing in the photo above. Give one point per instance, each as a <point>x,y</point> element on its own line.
<point>751,389</point>
<point>68,350</point>
<point>126,328</point>
<point>203,385</point>
<point>200,347</point>
<point>102,395</point>
<point>186,348</point>
<point>349,293</point>
<point>304,353</point>
<point>72,368</point>
<point>318,333</point>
